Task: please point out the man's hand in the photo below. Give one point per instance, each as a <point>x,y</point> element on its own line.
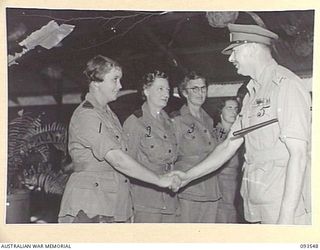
<point>176,183</point>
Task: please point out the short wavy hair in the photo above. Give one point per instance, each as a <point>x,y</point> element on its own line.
<point>192,75</point>
<point>223,101</point>
<point>98,67</point>
<point>149,78</point>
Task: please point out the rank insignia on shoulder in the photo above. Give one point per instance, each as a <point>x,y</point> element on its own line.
<point>138,113</point>
<point>278,79</point>
<point>87,105</point>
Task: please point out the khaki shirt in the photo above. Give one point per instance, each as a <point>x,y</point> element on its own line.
<point>231,169</point>
<point>95,186</point>
<point>152,143</point>
<point>278,93</point>
<point>195,142</point>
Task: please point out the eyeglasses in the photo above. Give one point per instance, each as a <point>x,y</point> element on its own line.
<point>198,89</point>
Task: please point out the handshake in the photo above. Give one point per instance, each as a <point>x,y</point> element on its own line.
<point>174,180</point>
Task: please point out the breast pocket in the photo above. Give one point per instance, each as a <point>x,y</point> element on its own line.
<point>260,113</point>
<point>152,146</point>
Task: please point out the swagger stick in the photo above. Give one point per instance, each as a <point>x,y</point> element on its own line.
<point>244,131</point>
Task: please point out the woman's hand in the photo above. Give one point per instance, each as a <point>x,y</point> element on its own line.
<point>183,178</point>
<point>172,182</point>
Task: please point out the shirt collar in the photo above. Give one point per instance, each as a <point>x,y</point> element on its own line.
<point>91,98</point>
<point>219,125</point>
<point>146,112</point>
<point>263,78</point>
<point>266,72</point>
<point>185,111</point>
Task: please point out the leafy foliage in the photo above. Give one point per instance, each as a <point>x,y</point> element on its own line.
<point>30,147</point>
<point>48,180</point>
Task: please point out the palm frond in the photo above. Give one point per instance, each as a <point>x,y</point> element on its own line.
<point>27,136</point>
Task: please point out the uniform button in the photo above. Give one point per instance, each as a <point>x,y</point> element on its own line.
<point>117,136</point>
<point>151,146</point>
<point>126,181</point>
<point>126,149</point>
<point>165,137</point>
<point>96,184</point>
<point>169,150</point>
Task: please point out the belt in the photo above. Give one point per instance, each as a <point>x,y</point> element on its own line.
<point>185,162</point>
<point>159,168</point>
<point>168,167</point>
<point>92,167</point>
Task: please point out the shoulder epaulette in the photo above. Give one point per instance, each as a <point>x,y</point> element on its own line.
<point>174,114</point>
<point>278,79</point>
<point>280,75</point>
<point>87,105</point>
<point>138,113</point>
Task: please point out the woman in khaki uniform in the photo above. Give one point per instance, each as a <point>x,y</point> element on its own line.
<point>229,174</point>
<point>194,131</point>
<point>98,190</point>
<point>151,141</point>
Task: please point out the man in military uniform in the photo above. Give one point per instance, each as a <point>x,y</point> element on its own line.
<point>275,168</point>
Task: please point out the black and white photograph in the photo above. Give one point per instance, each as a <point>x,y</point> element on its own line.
<point>136,116</point>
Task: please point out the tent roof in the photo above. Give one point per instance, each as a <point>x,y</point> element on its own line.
<point>141,41</point>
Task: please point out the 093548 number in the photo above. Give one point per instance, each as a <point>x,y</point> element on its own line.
<point>308,245</point>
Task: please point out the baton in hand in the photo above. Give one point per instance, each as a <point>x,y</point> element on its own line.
<point>244,131</point>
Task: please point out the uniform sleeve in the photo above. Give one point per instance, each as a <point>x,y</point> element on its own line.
<point>94,134</point>
<point>294,111</point>
<point>131,135</point>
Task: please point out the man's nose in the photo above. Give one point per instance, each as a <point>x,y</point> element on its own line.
<point>119,84</point>
<point>231,57</point>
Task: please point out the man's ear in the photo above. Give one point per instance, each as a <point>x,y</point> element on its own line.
<point>253,49</point>
<point>95,84</point>
<point>146,92</point>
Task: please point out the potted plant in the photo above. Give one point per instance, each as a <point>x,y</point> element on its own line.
<point>30,146</point>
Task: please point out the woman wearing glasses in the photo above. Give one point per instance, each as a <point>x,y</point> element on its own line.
<point>151,141</point>
<point>194,132</point>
